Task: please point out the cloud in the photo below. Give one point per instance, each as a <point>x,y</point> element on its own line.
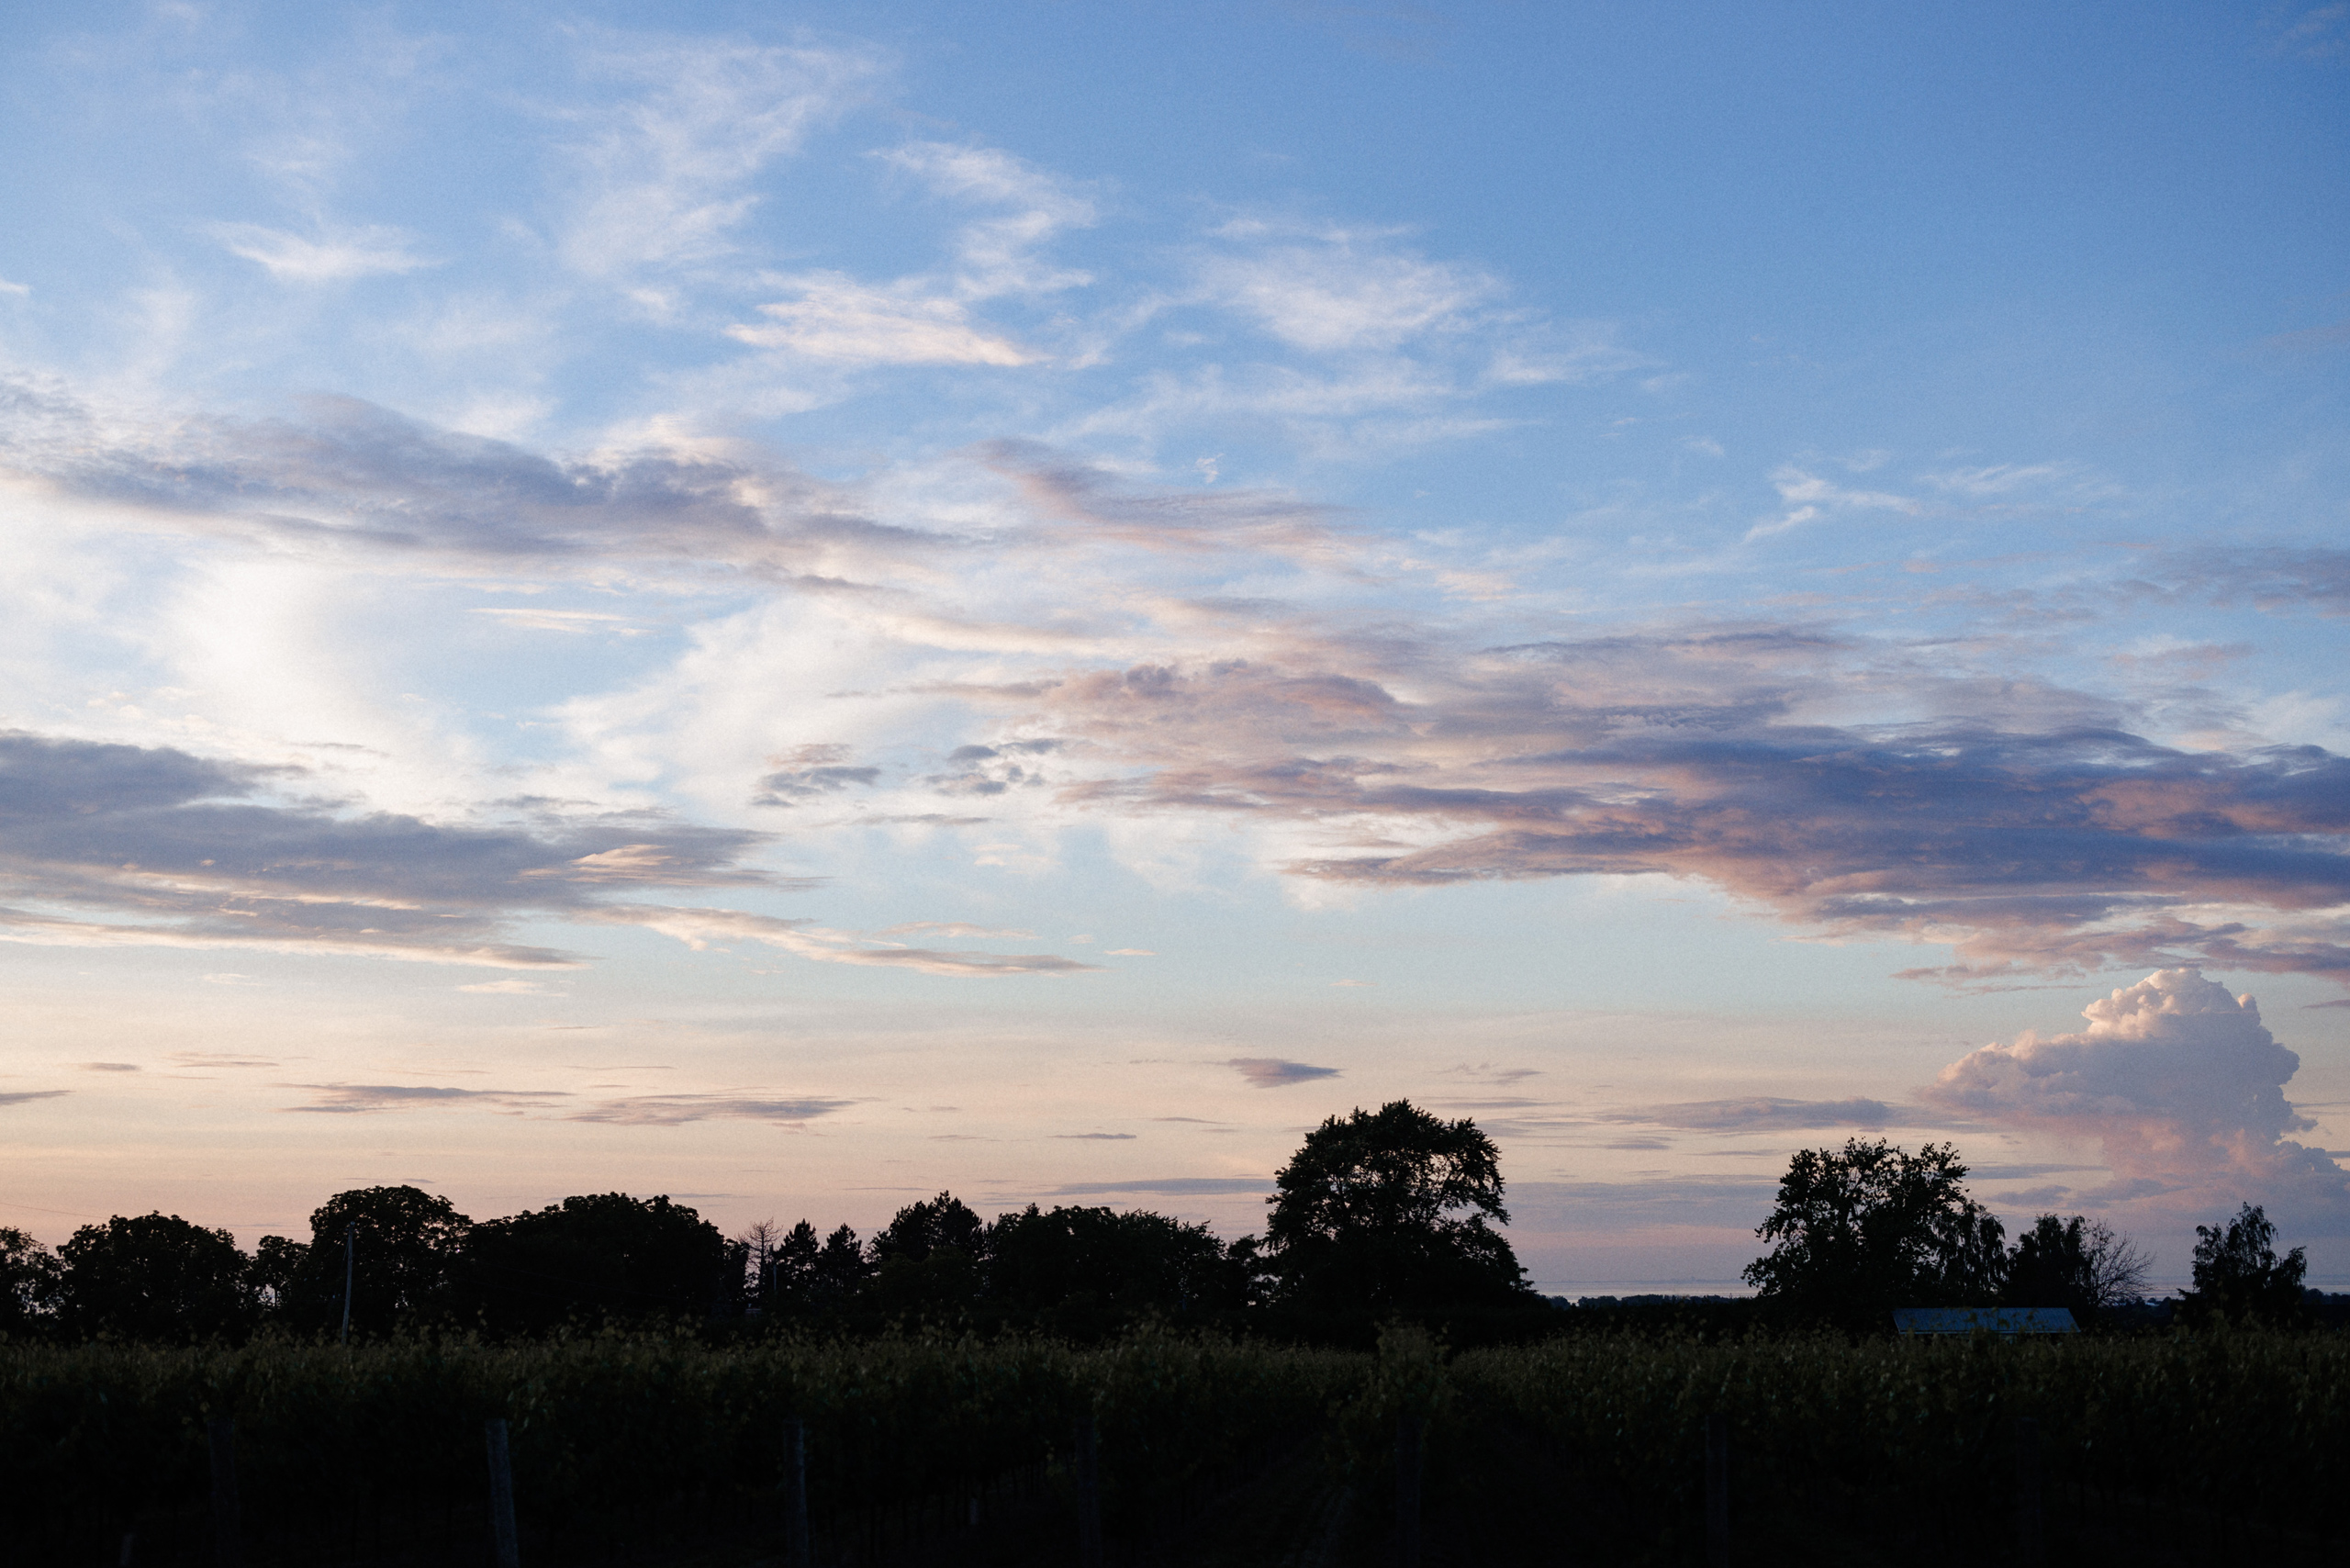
<point>367,1099</point>
<point>962,928</point>
<point>21,1096</point>
<point>106,1066</point>
<point>703,927</point>
<point>811,772</point>
<point>1765,1113</point>
<point>2066,845</point>
<point>335,256</point>
<point>1107,511</point>
<point>1856,787</point>
<point>664,176</point>
<point>2179,1080</point>
<point>836,318</point>
<point>1271,1072</point>
<point>132,846</point>
<point>1347,293</point>
<point>508,988</point>
<point>1130,953</point>
<point>996,256</point>
<point>1809,497</point>
<point>1096,1138</point>
<point>677,1110</point>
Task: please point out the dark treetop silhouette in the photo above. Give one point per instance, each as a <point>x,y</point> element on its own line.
<point>1392,1211</point>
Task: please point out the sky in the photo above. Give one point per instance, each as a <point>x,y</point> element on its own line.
<point>801,605</point>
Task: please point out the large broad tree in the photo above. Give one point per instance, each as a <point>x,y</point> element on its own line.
<point>1392,1211</point>
<point>155,1277</point>
<point>2238,1273</point>
<point>1861,1230</point>
<point>602,1256</point>
<point>402,1248</point>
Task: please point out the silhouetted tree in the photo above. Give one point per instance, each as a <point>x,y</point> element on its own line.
<point>1870,1227</point>
<point>154,1277</point>
<point>2079,1264</point>
<point>27,1283</point>
<point>2238,1273</point>
<point>1088,1270</point>
<point>608,1256</point>
<point>1388,1211</point>
<point>926,1259</point>
<point>277,1264</point>
<point>919,1230</point>
<point>407,1247</point>
<point>792,1267</point>
<point>759,1240</point>
<point>838,1273</point>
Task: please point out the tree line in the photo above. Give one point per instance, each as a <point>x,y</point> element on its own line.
<point>1379,1216</point>
<point>1859,1231</point>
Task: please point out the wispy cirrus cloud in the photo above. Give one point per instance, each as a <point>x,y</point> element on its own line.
<point>333,255</point>
<point>664,176</point>
<point>708,927</point>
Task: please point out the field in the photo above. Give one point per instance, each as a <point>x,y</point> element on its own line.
<point>666,1449</point>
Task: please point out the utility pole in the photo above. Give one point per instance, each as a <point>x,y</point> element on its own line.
<point>350,1253</point>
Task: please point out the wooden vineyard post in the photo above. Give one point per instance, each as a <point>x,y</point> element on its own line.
<point>798,1550</point>
<point>1716,1491</point>
<point>2028,1543</point>
<point>501,1499</point>
<point>1089,1494</point>
<point>1408,1431</point>
<point>228,1543</point>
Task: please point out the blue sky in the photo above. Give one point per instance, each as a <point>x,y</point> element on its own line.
<point>798,605</point>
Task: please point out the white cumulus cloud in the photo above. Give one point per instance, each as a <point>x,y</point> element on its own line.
<point>2179,1078</point>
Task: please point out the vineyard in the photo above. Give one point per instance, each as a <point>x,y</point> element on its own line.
<point>666,1449</point>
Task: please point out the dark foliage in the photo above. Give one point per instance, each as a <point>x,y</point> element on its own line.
<point>407,1249</point>
<point>608,1256</point>
<point>1083,1271</point>
<point>2239,1275</point>
<point>2078,1264</point>
<point>154,1277</point>
<point>1870,1227</point>
<point>28,1278</point>
<point>1368,1220</point>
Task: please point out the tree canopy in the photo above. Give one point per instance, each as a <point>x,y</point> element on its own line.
<point>2078,1264</point>
<point>1863,1229</point>
<point>1393,1211</point>
<point>2238,1274</point>
<point>406,1249</point>
<point>605,1255</point>
<point>153,1276</point>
